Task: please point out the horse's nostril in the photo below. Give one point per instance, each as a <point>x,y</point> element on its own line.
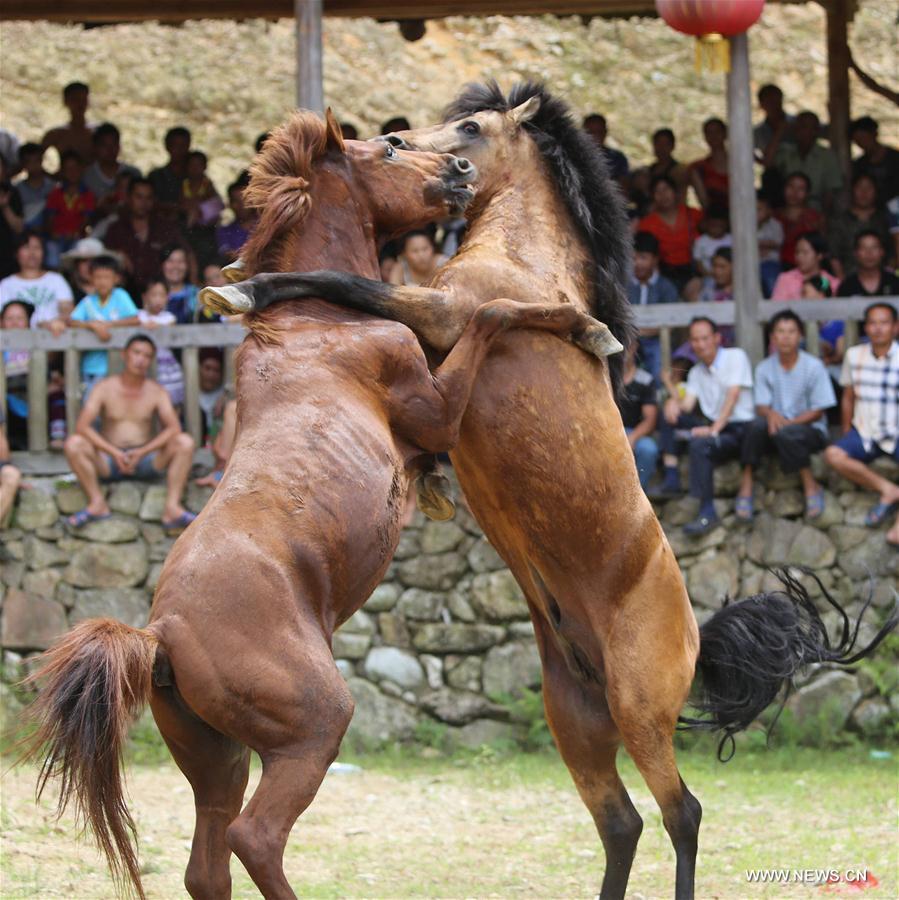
<point>462,165</point>
<point>395,141</point>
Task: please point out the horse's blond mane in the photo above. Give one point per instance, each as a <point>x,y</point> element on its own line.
<point>279,190</point>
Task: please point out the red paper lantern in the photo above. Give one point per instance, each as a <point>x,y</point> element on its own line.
<point>711,21</point>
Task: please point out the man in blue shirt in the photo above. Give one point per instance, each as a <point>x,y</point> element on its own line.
<point>595,125</point>
<point>106,306</point>
<point>792,393</point>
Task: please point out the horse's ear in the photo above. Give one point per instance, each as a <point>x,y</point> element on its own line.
<point>525,111</point>
<point>334,140</point>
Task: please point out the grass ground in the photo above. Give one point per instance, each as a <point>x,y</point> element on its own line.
<point>495,825</point>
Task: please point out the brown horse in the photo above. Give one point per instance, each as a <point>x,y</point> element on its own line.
<point>615,629</point>
<point>334,410</point>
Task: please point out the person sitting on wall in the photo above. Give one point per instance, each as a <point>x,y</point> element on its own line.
<point>10,476</point>
<point>870,412</point>
<point>792,394</point>
<point>711,415</point>
<point>125,447</point>
<point>639,414</point>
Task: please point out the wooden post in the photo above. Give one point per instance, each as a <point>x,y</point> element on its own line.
<point>747,287</point>
<point>310,91</point>
<point>72,373</point>
<point>190,363</point>
<point>37,400</point>
<point>838,82</point>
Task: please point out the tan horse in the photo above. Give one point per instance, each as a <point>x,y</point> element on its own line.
<point>334,409</point>
<point>545,465</point>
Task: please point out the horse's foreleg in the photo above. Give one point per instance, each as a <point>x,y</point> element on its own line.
<point>588,740</point>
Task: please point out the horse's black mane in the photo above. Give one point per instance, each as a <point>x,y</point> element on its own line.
<point>592,198</point>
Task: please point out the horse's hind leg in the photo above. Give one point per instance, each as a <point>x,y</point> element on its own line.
<point>216,767</point>
<point>588,741</point>
<point>301,736</point>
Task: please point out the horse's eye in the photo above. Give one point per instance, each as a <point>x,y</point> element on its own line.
<point>390,152</point>
<point>471,127</point>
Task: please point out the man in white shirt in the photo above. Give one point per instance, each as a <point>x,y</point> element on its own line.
<point>712,415</point>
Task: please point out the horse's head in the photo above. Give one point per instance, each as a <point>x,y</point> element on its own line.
<point>493,139</point>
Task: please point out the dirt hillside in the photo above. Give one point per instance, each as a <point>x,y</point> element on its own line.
<point>229,81</point>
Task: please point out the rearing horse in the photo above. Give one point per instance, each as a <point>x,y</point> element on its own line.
<point>546,468</point>
<point>335,409</point>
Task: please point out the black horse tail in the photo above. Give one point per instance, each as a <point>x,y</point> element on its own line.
<point>94,681</point>
<point>750,652</point>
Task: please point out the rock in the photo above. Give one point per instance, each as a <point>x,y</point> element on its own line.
<point>359,623</point>
<point>847,536</point>
<point>383,598</point>
<point>153,503</point>
<point>833,513</point>
<point>14,550</point>
<point>43,554</point>
<point>160,550</point>
<point>350,646</point>
<point>459,707</point>
<point>483,558</point>
<point>510,667</point>
<point>887,467</point>
<point>465,674</point>
<point>831,695</point>
<point>857,510</point>
<point>871,714</point>
<point>522,630</point>
<point>346,668</point>
<point>459,606</point>
<point>438,572</point>
<point>153,577</point>
<point>680,510</point>
<point>116,530</point>
<point>70,498</point>
<point>31,623</point>
<point>683,545</point>
<point>439,537</point>
<point>152,533</point>
<point>392,664</point>
<point>869,558</point>
<point>108,565</point>
<point>775,542</point>
<point>484,732</point>
<point>727,479</point>
<point>196,497</point>
<point>378,719</point>
<point>813,549</point>
<point>456,637</point>
<point>788,502</point>
<point>11,573</point>
<point>42,583</point>
<point>497,596</point>
<point>36,509</point>
<point>49,532</point>
<point>128,605</point>
<point>408,546</point>
<point>711,580</point>
<point>433,670</point>
<point>124,497</point>
<point>421,605</point>
<point>393,630</point>
<point>884,592</point>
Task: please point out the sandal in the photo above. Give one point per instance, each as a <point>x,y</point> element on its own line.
<point>744,509</point>
<point>180,523</point>
<point>879,513</point>
<point>84,516</point>
<point>814,505</point>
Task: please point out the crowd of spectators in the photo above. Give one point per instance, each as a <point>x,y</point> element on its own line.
<point>100,245</point>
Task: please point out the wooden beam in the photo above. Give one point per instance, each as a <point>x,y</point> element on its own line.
<point>743,227</point>
<point>37,400</point>
<point>838,100</point>
<point>310,89</point>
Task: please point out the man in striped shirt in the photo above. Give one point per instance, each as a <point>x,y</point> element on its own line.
<point>870,413</point>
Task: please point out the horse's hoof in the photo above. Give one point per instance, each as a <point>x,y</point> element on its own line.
<point>599,341</point>
<point>227,300</point>
<point>433,497</point>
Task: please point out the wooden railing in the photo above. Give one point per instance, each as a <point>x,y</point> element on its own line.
<point>190,338</point>
<point>73,342</point>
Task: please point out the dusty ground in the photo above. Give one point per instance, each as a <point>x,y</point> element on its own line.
<point>489,826</point>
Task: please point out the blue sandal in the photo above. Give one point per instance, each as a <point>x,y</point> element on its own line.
<point>879,513</point>
<point>83,517</point>
<point>814,505</point>
<point>744,509</point>
<point>180,523</point>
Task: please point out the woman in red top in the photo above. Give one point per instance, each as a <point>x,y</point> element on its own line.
<point>709,175</point>
<point>68,209</point>
<point>675,226</point>
<point>796,217</point>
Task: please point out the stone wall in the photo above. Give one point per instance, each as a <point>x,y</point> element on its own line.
<point>445,642</point>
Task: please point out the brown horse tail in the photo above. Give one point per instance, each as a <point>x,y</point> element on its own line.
<point>750,651</point>
<point>96,679</point>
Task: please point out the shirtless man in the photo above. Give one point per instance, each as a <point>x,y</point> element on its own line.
<point>125,446</point>
<point>78,135</point>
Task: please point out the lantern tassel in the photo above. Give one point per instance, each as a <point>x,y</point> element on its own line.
<point>712,53</point>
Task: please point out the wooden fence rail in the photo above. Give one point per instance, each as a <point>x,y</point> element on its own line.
<point>191,338</point>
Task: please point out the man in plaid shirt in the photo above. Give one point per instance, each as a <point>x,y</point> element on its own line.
<point>870,413</point>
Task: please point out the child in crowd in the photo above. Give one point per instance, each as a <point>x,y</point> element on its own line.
<point>230,238</point>
<point>107,306</point>
<point>716,234</point>
<point>35,187</point>
<point>201,208</point>
<point>720,288</point>
<point>153,315</point>
<point>831,335</point>
<point>69,208</point>
<point>771,238</point>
